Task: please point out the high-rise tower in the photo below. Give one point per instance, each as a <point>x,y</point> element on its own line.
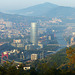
<point>34,34</point>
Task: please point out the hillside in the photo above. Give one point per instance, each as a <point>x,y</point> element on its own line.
<point>41,67</point>
<point>47,9</point>
<point>37,10</point>
<point>61,11</point>
<point>58,58</point>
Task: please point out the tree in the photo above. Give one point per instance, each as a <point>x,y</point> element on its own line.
<point>71,56</point>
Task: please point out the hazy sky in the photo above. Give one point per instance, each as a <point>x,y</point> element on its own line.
<point>19,4</point>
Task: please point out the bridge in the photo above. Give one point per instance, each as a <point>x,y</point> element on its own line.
<point>56,45</point>
<point>12,60</point>
<point>51,51</point>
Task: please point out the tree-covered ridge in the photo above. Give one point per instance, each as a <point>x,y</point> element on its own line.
<point>57,58</point>
<point>71,56</point>
<point>60,63</point>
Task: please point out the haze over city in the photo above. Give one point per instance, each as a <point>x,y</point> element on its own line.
<point>20,4</point>
<point>37,37</point>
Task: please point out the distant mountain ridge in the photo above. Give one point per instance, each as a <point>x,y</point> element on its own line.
<point>47,9</point>
<point>37,10</point>
<point>61,11</point>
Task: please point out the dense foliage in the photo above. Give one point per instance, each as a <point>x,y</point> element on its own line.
<point>42,69</point>
<point>55,64</point>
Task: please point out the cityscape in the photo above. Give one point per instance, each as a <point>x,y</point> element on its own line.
<point>36,38</point>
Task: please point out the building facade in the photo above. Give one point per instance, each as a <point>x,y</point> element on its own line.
<point>34,34</point>
<point>34,57</point>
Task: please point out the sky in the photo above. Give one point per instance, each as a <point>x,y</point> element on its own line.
<point>20,4</point>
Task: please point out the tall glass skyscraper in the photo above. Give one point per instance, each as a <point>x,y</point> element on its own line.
<point>34,34</point>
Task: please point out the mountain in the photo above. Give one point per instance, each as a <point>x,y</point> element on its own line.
<point>47,9</point>
<point>61,11</point>
<point>37,10</point>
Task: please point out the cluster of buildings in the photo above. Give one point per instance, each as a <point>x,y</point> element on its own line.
<point>17,43</point>
<point>37,38</point>
<point>8,30</point>
<point>72,39</point>
<point>29,39</point>
<point>36,41</point>
<point>52,21</point>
